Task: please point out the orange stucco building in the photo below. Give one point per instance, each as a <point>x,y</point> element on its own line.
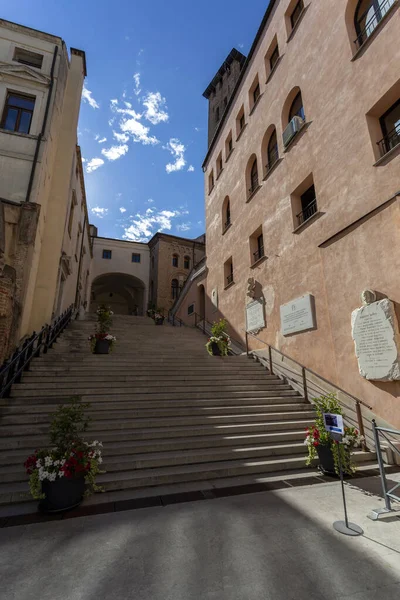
<point>302,181</point>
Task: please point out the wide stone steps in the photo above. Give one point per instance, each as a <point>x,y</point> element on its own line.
<point>168,414</point>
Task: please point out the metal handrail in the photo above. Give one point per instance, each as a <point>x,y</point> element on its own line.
<point>388,495</point>
<point>200,322</point>
<point>229,279</point>
<point>173,319</point>
<point>304,371</point>
<point>12,369</point>
<point>258,254</point>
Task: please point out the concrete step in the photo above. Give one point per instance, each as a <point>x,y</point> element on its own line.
<point>98,394</point>
<point>149,413</point>
<point>15,438</point>
<point>117,377</point>
<point>13,423</point>
<point>122,448</point>
<point>14,473</point>
<point>11,406</point>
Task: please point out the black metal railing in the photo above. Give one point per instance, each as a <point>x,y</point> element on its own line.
<point>254,186</point>
<point>227,224</point>
<point>273,157</point>
<point>303,375</point>
<point>205,326</point>
<point>258,254</point>
<point>307,212</point>
<point>388,494</point>
<point>12,369</point>
<point>390,141</point>
<point>229,279</point>
<point>174,320</point>
<point>373,21</point>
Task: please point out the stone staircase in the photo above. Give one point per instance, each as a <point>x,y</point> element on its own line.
<point>167,413</point>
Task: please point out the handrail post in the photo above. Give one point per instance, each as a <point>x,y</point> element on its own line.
<point>305,391</point>
<point>271,369</point>
<point>204,325</point>
<point>381,465</point>
<point>361,425</point>
<point>247,345</point>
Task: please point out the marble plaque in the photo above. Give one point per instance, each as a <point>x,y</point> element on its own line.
<point>298,315</point>
<point>375,332</point>
<point>255,319</point>
<point>214,298</point>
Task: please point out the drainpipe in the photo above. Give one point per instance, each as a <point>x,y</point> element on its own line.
<point>80,261</point>
<point>41,134</point>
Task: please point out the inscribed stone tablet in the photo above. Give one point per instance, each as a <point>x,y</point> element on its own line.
<point>375,332</point>
<point>297,315</point>
<point>255,316</point>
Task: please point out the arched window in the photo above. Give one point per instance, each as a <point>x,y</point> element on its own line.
<point>367,16</point>
<point>175,260</point>
<point>253,177</point>
<point>186,262</point>
<point>174,289</point>
<point>272,151</point>
<point>297,109</point>
<point>226,214</point>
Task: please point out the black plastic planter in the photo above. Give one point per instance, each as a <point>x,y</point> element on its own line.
<point>62,494</point>
<point>102,347</point>
<point>326,461</point>
<point>215,349</point>
<point>159,321</point>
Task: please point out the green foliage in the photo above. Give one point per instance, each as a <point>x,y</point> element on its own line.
<point>35,486</point>
<point>104,318</point>
<point>68,424</point>
<point>317,435</point>
<point>218,328</point>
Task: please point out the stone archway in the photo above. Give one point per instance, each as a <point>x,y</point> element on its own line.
<point>125,294</point>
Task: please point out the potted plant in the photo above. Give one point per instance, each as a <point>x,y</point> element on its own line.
<point>321,445</point>
<point>219,341</point>
<point>102,343</point>
<point>104,318</point>
<point>158,318</point>
<point>59,474</point>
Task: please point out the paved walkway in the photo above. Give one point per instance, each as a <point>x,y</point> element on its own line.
<point>268,546</point>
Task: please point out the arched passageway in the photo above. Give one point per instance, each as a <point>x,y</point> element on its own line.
<point>125,294</point>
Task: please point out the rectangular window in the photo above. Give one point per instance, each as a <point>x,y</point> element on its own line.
<point>256,246</point>
<point>240,122</point>
<point>71,213</point>
<point>18,111</point>
<point>298,9</point>
<point>107,254</point>
<point>136,258</point>
<point>274,57</point>
<point>26,57</point>
<point>228,272</point>
<point>211,182</point>
<point>190,309</point>
<point>228,146</point>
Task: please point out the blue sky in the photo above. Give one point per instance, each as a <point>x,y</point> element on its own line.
<point>143,122</point>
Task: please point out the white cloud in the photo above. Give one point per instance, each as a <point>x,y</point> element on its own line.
<point>94,164</point>
<point>155,108</point>
<point>132,126</point>
<point>136,78</point>
<point>122,209</point>
<point>177,149</point>
<point>138,132</point>
<point>121,137</point>
<point>150,200</point>
<point>191,168</point>
<point>104,139</point>
<point>197,129</point>
<point>144,226</point>
<point>99,212</point>
<point>184,226</point>
<point>87,97</point>
<point>115,152</point>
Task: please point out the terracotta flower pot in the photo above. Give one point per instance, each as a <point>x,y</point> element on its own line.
<point>62,494</point>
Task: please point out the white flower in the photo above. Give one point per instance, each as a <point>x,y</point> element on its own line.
<point>61,473</point>
<point>39,463</point>
<point>100,460</point>
<point>48,461</point>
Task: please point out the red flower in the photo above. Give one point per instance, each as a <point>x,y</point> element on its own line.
<point>315,444</point>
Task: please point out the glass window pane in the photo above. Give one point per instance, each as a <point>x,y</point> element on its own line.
<point>21,102</point>
<point>25,122</point>
<point>392,120</point>
<point>11,119</point>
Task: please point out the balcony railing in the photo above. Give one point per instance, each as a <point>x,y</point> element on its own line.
<point>254,186</point>
<point>372,22</point>
<point>390,141</point>
<point>258,254</point>
<point>307,212</point>
<point>229,279</point>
